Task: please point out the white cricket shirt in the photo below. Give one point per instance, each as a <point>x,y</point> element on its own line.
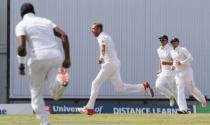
<point>164,55</point>
<point>110,51</point>
<point>183,55</point>
<point>38,31</point>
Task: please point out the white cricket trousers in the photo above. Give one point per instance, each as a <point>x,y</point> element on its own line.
<point>184,79</point>
<point>111,71</point>
<point>164,78</point>
<point>43,65</point>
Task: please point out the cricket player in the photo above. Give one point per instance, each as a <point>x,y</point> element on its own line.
<point>182,59</point>
<point>165,73</point>
<point>110,69</point>
<point>46,61</point>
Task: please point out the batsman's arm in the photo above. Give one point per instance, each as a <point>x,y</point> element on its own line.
<point>21,53</point>
<point>65,42</point>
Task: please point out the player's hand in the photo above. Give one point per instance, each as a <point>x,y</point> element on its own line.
<point>66,63</point>
<point>22,69</point>
<point>173,68</point>
<point>164,63</point>
<point>177,62</point>
<point>100,61</point>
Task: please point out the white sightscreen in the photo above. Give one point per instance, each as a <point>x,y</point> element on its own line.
<point>134,25</point>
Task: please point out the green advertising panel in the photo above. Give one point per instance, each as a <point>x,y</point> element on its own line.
<point>203,110</point>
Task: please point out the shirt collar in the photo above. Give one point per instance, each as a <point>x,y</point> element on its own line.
<point>177,48</point>
<point>164,47</point>
<point>28,15</point>
<point>100,35</point>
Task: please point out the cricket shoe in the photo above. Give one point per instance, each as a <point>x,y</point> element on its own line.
<point>148,89</point>
<point>87,111</point>
<point>63,77</point>
<point>172,101</point>
<point>182,112</point>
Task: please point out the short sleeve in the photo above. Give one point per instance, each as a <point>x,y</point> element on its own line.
<point>186,52</point>
<point>188,56</point>
<point>158,50</point>
<point>102,41</point>
<point>20,29</point>
<point>52,24</point>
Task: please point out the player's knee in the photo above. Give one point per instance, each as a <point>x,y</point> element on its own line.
<point>95,83</point>
<point>119,88</point>
<point>56,98</point>
<point>35,109</point>
<point>158,87</point>
<point>180,87</point>
<point>158,83</point>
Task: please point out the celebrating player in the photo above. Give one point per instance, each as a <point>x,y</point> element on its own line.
<point>184,76</point>
<point>110,69</point>
<point>46,59</point>
<point>165,74</point>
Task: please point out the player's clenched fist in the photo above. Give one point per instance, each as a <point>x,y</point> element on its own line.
<point>66,63</point>
<point>22,69</point>
<point>100,61</point>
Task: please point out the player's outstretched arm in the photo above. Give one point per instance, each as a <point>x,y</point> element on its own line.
<point>21,53</point>
<point>64,38</point>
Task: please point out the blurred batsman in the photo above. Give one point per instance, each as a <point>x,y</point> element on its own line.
<point>165,74</point>
<point>182,59</point>
<point>46,61</point>
<point>110,70</point>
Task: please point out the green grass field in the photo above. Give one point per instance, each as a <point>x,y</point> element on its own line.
<point>110,119</point>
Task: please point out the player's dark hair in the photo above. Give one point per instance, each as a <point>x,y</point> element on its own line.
<point>175,40</point>
<point>26,8</point>
<point>99,25</point>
